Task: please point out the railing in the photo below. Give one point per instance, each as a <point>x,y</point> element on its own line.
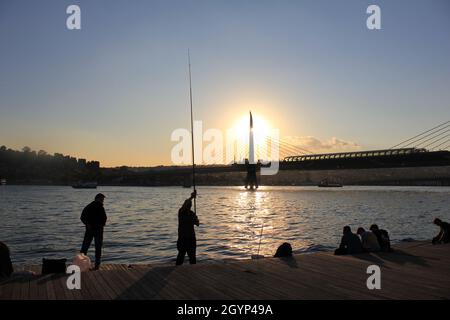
<point>358,154</point>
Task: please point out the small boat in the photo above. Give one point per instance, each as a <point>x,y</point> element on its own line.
<point>2,182</point>
<point>327,184</point>
<point>85,185</point>
<point>187,183</point>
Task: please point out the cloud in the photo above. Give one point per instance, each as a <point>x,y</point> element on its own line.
<point>315,145</point>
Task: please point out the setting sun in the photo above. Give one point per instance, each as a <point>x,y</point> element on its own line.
<point>261,132</point>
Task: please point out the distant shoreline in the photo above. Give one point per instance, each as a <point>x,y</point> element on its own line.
<point>417,184</point>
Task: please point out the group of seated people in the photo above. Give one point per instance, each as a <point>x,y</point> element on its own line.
<point>377,239</point>
<point>374,240</point>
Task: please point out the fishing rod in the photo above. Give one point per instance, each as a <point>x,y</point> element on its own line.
<point>192,133</point>
<point>260,238</point>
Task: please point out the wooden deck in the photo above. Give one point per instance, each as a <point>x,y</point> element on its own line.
<point>415,270</point>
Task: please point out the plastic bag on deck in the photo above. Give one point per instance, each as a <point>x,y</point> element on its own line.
<point>82,261</point>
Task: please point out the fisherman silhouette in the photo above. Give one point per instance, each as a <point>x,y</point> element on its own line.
<point>187,242</point>
<point>94,218</point>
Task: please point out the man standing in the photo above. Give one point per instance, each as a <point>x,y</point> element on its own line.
<point>187,242</point>
<point>94,218</point>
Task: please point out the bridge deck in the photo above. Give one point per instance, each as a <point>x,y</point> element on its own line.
<point>414,271</point>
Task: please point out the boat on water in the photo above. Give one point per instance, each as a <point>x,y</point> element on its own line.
<point>2,182</point>
<point>325,183</point>
<point>85,185</point>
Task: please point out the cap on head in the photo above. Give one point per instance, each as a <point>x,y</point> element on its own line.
<point>100,196</point>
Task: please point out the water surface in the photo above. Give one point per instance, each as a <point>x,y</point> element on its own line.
<point>38,221</point>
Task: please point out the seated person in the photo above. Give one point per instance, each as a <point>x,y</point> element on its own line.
<point>284,250</point>
<point>350,243</point>
<point>383,238</point>
<point>444,233</point>
<point>369,240</point>
<point>6,268</point>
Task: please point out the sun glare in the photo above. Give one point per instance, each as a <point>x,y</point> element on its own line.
<point>261,132</point>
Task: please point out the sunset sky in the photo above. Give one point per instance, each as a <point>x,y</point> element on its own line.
<point>116,89</point>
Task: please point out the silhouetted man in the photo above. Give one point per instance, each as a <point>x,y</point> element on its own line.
<point>6,268</point>
<point>369,240</point>
<point>350,243</point>
<point>444,234</point>
<point>187,242</point>
<point>94,218</point>
<point>383,237</point>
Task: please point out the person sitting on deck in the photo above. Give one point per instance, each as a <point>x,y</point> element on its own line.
<point>444,233</point>
<point>283,251</point>
<point>350,243</point>
<point>94,218</point>
<point>383,238</point>
<point>6,268</point>
<point>187,242</point>
<point>369,240</point>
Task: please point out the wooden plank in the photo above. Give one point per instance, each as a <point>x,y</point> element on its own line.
<point>394,279</point>
<point>132,289</point>
<point>237,283</point>
<point>57,286</point>
<point>121,285</point>
<point>115,290</point>
<point>145,291</point>
<point>154,282</point>
<point>34,290</point>
<point>93,285</point>
<point>49,288</point>
<point>60,281</point>
<point>158,279</point>
<point>7,289</point>
<point>88,289</point>
<point>412,271</point>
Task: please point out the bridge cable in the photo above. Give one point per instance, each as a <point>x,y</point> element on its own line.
<point>288,149</point>
<point>401,143</point>
<point>446,136</point>
<point>445,142</point>
<point>299,148</point>
<point>432,134</point>
<point>432,139</point>
<point>292,147</point>
<point>289,145</point>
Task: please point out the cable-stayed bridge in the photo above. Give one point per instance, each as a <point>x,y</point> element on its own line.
<point>428,149</point>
